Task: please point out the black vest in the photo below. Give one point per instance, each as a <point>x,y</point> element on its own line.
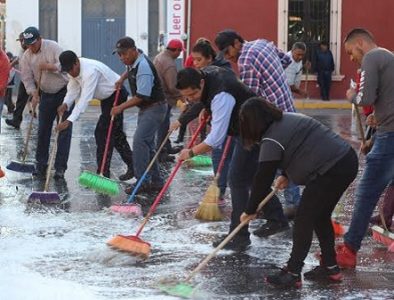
<point>157,94</point>
<point>219,80</point>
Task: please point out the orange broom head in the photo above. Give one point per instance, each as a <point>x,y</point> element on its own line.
<point>209,208</point>
<point>2,174</point>
<point>131,244</point>
<point>338,228</point>
<point>382,236</point>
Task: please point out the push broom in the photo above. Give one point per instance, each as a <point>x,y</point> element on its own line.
<point>2,174</point>
<point>22,166</point>
<point>98,182</point>
<point>209,208</point>
<point>133,243</point>
<point>131,208</point>
<point>184,289</point>
<point>46,197</point>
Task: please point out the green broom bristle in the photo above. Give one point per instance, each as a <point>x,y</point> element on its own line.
<point>181,290</point>
<point>99,183</point>
<point>199,161</point>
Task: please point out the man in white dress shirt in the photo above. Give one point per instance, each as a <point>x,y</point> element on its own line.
<point>294,70</point>
<point>90,79</point>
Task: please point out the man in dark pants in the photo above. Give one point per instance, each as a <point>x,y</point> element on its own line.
<point>324,66</point>
<point>91,79</point>
<point>40,67</point>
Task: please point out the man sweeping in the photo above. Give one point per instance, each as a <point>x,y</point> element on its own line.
<point>90,79</point>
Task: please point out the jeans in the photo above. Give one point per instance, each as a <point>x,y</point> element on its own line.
<point>319,199</point>
<point>243,167</point>
<point>163,130</point>
<point>216,157</point>
<point>378,173</point>
<point>292,194</point>
<point>48,112</point>
<point>144,146</point>
<point>2,100</point>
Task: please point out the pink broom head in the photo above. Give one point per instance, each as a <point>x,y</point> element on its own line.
<point>382,236</point>
<point>132,209</point>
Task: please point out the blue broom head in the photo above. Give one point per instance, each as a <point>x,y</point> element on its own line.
<point>18,166</point>
<point>99,184</point>
<point>44,198</point>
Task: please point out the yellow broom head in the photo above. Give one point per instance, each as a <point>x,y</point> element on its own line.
<point>131,244</point>
<point>209,209</point>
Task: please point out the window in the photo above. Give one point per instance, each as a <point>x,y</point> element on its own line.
<point>311,21</point>
<point>48,19</point>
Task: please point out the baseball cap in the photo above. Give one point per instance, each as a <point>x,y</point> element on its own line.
<point>30,35</point>
<point>124,44</point>
<point>226,38</point>
<point>175,44</point>
<point>67,60</point>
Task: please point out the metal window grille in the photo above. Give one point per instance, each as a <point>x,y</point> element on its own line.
<point>309,22</point>
<point>48,19</point>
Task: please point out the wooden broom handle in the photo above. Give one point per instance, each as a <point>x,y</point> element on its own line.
<point>359,124</point>
<point>223,158</point>
<point>51,160</point>
<point>109,132</point>
<point>26,147</point>
<point>228,238</point>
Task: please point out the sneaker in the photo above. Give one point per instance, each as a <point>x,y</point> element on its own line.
<point>270,228</point>
<point>11,122</point>
<point>238,243</point>
<point>128,175</point>
<point>290,211</point>
<point>59,175</point>
<point>321,273</point>
<point>346,257</point>
<point>285,279</point>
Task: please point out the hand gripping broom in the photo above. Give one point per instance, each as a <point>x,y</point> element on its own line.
<point>132,243</point>
<point>22,166</point>
<point>98,182</point>
<point>184,289</point>
<point>209,208</point>
<point>46,197</point>
<point>131,208</point>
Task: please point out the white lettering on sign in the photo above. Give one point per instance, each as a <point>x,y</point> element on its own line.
<point>175,19</point>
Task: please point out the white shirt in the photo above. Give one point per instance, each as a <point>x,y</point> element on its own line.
<point>222,107</point>
<point>294,71</point>
<point>95,81</point>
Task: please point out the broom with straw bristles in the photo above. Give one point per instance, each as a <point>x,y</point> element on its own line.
<point>184,289</point>
<point>46,197</point>
<point>209,208</point>
<point>133,244</point>
<point>98,182</point>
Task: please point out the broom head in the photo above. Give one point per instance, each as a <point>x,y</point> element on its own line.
<point>199,161</point>
<point>209,208</point>
<point>99,184</point>
<point>339,230</point>
<point>44,198</point>
<point>132,209</point>
<point>2,174</point>
<point>182,290</point>
<point>383,236</point>
<point>21,167</point>
<point>131,244</point>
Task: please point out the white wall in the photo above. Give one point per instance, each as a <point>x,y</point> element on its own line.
<point>137,22</point>
<point>70,25</point>
<point>20,14</point>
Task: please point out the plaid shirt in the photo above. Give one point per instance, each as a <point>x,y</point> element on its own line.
<point>261,66</point>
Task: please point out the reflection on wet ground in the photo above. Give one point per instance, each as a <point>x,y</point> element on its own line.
<point>67,241</point>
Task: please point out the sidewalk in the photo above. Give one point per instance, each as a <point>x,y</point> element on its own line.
<point>320,104</point>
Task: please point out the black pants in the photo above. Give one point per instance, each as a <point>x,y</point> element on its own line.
<point>8,100</point>
<point>118,137</point>
<point>324,80</point>
<point>20,104</point>
<point>318,200</point>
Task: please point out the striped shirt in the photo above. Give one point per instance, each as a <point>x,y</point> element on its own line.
<point>261,66</point>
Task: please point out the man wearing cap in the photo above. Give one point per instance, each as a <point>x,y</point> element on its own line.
<point>40,71</point>
<point>148,96</point>
<point>166,68</point>
<point>90,79</point>
<point>22,97</point>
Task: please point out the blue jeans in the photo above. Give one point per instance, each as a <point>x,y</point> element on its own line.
<point>48,112</point>
<point>216,157</point>
<point>378,173</point>
<point>292,194</point>
<point>144,145</point>
<point>163,129</point>
<point>243,167</point>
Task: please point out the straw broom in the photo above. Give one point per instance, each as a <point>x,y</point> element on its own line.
<point>98,182</point>
<point>133,244</point>
<point>209,208</point>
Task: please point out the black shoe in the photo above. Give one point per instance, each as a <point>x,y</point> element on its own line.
<point>270,228</point>
<point>144,188</point>
<point>174,150</point>
<point>40,172</point>
<point>165,158</point>
<point>59,175</point>
<point>321,273</point>
<point>285,279</point>
<point>238,243</point>
<point>13,123</point>
<point>128,175</point>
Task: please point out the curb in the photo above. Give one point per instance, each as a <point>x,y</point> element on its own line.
<point>318,104</point>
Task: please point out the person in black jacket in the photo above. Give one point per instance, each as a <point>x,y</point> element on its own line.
<point>324,66</point>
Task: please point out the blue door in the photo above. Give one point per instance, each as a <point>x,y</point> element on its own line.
<point>103,23</point>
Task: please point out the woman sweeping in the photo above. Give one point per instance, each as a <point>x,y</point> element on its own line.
<point>309,154</point>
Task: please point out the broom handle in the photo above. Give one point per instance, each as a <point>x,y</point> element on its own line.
<point>228,238</point>
<point>359,124</point>
<point>169,180</point>
<point>109,132</point>
<point>142,178</point>
<point>223,158</point>
<point>51,160</point>
<point>28,135</point>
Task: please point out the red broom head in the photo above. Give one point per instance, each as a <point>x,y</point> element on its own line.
<point>131,244</point>
<point>338,228</point>
<point>2,174</point>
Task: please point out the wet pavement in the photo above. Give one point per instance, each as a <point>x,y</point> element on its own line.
<point>60,253</point>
